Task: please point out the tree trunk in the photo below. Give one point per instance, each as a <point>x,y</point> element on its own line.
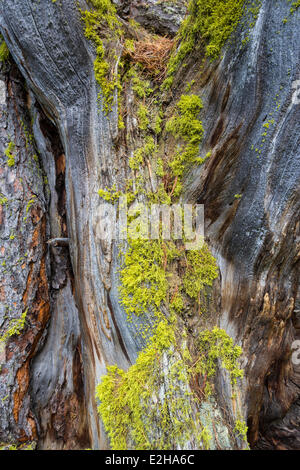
<point>57,269</point>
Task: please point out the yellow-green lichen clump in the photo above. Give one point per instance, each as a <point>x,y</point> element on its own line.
<point>15,327</point>
<point>10,154</point>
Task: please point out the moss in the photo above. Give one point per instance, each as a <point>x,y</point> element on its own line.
<point>140,87</point>
<point>125,400</point>
<point>26,446</point>
<point>185,126</point>
<point>15,327</point>
<point>109,195</point>
<point>140,154</point>
<point>143,278</point>
<point>215,345</point>
<point>210,22</point>
<point>3,200</point>
<point>159,167</point>
<point>189,86</point>
<point>151,405</point>
<point>202,160</point>
<point>134,24</point>
<point>104,15</point>
<point>143,119</point>
<point>8,447</point>
<point>121,124</point>
<point>129,45</point>
<point>157,127</point>
<point>130,193</point>
<point>206,438</point>
<point>4,52</point>
<point>295,5</point>
<point>241,430</point>
<point>177,303</point>
<point>160,196</point>
<point>9,152</point>
<point>125,397</point>
<point>201,271</point>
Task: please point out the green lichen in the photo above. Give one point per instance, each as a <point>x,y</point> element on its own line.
<point>28,207</point>
<point>15,327</point>
<point>9,152</point>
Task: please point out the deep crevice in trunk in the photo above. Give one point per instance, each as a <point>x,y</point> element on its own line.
<point>62,416</point>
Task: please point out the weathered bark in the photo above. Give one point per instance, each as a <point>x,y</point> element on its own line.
<point>163,18</point>
<point>75,324</point>
<point>24,260</point>
<point>37,279</point>
<point>255,237</point>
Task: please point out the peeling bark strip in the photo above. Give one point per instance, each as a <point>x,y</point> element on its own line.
<point>59,148</point>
